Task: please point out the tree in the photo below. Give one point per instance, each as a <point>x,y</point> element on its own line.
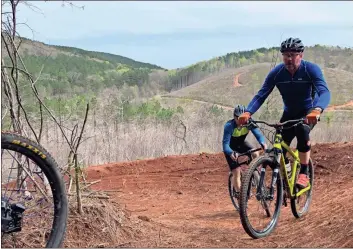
<point>13,71</point>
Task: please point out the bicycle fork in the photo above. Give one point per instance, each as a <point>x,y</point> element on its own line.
<point>261,192</point>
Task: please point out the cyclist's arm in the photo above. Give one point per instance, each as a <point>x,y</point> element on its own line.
<point>320,87</point>
<point>258,135</point>
<point>227,134</point>
<point>263,93</point>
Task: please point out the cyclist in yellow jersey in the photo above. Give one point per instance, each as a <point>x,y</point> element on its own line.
<point>234,142</point>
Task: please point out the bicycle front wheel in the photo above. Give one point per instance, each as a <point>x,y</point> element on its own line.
<point>32,164</point>
<point>259,195</point>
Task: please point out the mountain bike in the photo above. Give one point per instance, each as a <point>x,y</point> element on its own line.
<point>231,189</point>
<point>31,163</point>
<point>272,167</point>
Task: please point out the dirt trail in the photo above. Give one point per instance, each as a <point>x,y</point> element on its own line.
<point>338,107</point>
<point>183,202</point>
<point>235,84</point>
<point>236,80</point>
<point>199,101</point>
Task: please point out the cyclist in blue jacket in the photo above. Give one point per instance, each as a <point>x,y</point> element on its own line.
<point>234,142</point>
<point>305,94</point>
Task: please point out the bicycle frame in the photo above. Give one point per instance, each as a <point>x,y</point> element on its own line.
<point>290,182</point>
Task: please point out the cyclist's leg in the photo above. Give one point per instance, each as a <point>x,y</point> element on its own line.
<point>304,148</point>
<point>235,169</point>
<point>287,136</point>
<point>244,147</point>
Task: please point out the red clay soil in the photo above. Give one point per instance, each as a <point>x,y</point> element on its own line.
<point>183,201</point>
<point>337,107</point>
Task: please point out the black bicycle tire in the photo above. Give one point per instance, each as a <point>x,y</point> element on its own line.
<point>236,206</point>
<point>295,212</point>
<point>18,143</point>
<point>243,200</point>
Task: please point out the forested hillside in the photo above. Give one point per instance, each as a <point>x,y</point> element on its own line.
<point>325,56</point>
<point>69,70</point>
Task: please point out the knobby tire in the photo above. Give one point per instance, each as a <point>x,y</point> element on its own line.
<point>51,170</point>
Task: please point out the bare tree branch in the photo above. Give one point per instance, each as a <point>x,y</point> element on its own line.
<point>33,7</point>
<point>83,127</point>
<point>14,76</point>
<point>12,82</point>
<point>5,113</point>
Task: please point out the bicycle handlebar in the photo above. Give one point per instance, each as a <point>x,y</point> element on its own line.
<point>249,152</point>
<point>278,125</point>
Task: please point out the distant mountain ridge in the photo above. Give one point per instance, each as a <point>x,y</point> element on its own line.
<point>112,58</point>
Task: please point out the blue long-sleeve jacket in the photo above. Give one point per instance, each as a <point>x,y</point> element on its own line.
<point>232,136</point>
<point>296,91</point>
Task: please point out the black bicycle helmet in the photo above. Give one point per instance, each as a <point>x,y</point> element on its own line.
<point>238,110</point>
<point>292,45</point>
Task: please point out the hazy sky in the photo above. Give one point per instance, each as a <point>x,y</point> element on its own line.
<point>180,33</point>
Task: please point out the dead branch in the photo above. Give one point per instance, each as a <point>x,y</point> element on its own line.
<point>91,183</point>
<point>83,126</point>
<point>78,193</point>
<point>92,196</point>
<point>112,190</point>
<point>183,136</point>
<point>9,41</point>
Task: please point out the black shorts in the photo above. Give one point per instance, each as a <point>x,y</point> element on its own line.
<point>301,132</point>
<point>240,149</point>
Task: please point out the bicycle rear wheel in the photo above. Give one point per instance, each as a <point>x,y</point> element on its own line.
<point>307,196</point>
<point>249,200</point>
<point>35,153</point>
<point>255,179</point>
<point>231,190</point>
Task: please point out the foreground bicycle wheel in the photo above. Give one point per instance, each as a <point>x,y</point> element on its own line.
<point>14,210</point>
<point>249,199</point>
<point>307,196</point>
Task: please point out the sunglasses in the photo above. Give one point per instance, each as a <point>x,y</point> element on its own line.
<point>290,55</point>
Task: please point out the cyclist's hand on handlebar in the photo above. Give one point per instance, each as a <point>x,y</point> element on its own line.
<point>264,146</point>
<point>234,156</point>
<point>313,117</point>
<point>244,118</point>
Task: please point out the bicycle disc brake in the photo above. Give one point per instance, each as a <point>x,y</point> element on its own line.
<point>11,216</point>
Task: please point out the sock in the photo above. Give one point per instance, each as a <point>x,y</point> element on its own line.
<point>304,169</point>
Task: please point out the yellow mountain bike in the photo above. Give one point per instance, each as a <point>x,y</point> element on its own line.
<point>274,185</point>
